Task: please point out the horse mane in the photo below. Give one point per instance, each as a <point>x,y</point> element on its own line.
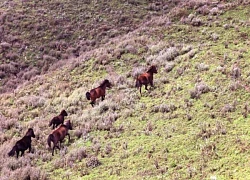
<point>150,69</point>
<point>104,82</point>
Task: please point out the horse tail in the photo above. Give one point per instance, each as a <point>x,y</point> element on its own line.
<point>50,138</point>
<point>137,83</point>
<point>88,95</point>
<point>12,152</point>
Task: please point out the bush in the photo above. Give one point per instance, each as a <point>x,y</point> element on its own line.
<point>164,108</point>
<point>169,66</point>
<point>31,101</point>
<point>93,162</point>
<point>77,154</point>
<point>32,73</point>
<point>167,54</point>
<point>8,124</point>
<point>202,67</point>
<point>235,72</point>
<point>200,88</point>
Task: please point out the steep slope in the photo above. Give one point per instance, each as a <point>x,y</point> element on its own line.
<point>36,34</point>
<point>192,125</point>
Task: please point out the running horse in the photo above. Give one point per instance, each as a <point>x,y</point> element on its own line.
<point>58,119</point>
<point>23,144</point>
<point>58,135</point>
<point>98,92</point>
<point>146,78</point>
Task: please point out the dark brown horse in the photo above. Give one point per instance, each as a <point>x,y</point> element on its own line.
<point>58,119</point>
<point>95,93</point>
<point>58,135</point>
<point>146,78</point>
<point>23,144</point>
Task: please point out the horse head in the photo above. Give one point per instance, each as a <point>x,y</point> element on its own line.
<point>107,83</point>
<point>30,132</point>
<point>69,125</point>
<point>152,69</point>
<point>64,113</point>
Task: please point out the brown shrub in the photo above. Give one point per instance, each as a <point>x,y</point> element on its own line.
<point>12,56</point>
<point>76,155</point>
<point>235,72</point>
<point>164,108</point>
<point>169,66</point>
<point>108,148</point>
<point>31,73</point>
<point>7,124</point>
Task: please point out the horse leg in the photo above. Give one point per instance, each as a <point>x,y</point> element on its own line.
<point>68,136</point>
<point>92,103</point>
<point>17,153</point>
<point>146,86</point>
<point>22,152</point>
<point>103,97</point>
<point>56,125</point>
<point>53,150</point>
<point>151,83</point>
<point>54,146</point>
<point>29,148</point>
<point>140,89</point>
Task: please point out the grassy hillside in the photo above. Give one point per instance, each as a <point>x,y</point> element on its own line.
<point>36,34</point>
<point>192,125</point>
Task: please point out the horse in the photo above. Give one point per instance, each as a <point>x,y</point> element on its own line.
<point>58,119</point>
<point>23,144</point>
<point>58,135</point>
<point>95,93</point>
<point>146,78</point>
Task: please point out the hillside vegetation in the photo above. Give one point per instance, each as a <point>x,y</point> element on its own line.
<point>194,122</point>
<point>35,34</point>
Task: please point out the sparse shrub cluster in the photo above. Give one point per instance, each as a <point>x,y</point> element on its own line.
<point>8,124</point>
<point>93,162</point>
<point>164,108</point>
<point>208,151</point>
<point>26,172</point>
<point>169,66</point>
<point>206,130</point>
<point>22,168</point>
<point>192,20</point>
<point>227,108</point>
<point>202,67</point>
<point>77,155</point>
<point>235,72</point>
<point>149,128</point>
<point>31,101</point>
<point>164,55</point>
<point>200,88</point>
<point>234,85</point>
<point>107,106</point>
